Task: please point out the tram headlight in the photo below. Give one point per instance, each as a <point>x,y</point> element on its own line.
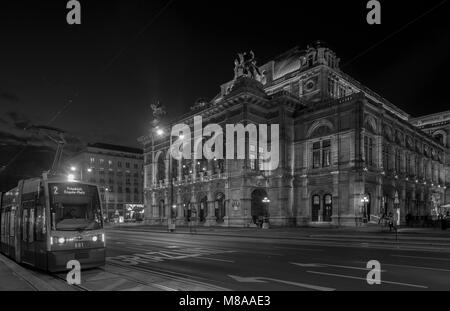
<point>61,240</point>
<point>103,237</point>
<point>94,238</point>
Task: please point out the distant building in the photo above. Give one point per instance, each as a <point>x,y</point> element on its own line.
<point>118,170</point>
<point>437,125</point>
<point>347,155</point>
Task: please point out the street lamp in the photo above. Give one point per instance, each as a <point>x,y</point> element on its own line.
<point>106,203</point>
<point>159,132</point>
<point>265,224</point>
<point>397,207</point>
<point>365,200</point>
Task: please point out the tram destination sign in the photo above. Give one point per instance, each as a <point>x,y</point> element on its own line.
<point>65,189</point>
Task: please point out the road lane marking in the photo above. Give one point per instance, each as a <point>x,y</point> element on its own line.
<point>329,265</point>
<point>417,267</point>
<point>420,257</point>
<point>300,249</point>
<point>255,279</point>
<point>365,279</point>
<point>217,259</point>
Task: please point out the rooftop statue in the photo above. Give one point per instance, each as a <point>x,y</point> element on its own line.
<point>157,112</point>
<point>246,66</point>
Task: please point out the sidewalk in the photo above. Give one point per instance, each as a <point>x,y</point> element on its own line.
<point>14,277</point>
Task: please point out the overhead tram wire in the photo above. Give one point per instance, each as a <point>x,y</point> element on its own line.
<point>109,64</point>
<point>119,53</point>
<point>146,26</point>
<point>393,34</point>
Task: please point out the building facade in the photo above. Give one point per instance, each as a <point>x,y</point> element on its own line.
<point>438,126</point>
<point>339,143</point>
<point>118,170</point>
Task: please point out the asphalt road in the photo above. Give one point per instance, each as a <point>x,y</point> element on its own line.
<point>149,260</point>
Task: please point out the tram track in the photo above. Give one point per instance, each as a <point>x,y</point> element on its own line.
<point>76,286</point>
<point>181,278</point>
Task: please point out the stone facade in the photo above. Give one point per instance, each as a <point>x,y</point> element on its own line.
<point>118,170</point>
<point>339,142</point>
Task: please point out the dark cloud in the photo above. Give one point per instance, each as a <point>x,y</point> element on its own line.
<point>9,97</point>
<point>27,152</point>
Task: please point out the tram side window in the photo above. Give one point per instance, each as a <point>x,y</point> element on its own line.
<point>12,225</point>
<point>7,219</point>
<point>24,225</point>
<point>3,226</point>
<point>40,223</point>
<point>31,225</point>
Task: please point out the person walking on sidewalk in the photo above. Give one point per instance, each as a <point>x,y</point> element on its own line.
<point>391,221</point>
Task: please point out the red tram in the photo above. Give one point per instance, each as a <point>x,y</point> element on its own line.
<point>48,221</point>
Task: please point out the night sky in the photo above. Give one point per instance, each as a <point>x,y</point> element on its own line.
<point>98,79</point>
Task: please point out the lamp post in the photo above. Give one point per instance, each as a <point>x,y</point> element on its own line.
<point>266,201</point>
<point>397,207</point>
<point>156,129</point>
<point>365,200</point>
<point>106,203</point>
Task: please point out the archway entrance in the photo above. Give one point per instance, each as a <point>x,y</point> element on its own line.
<point>327,207</point>
<point>203,209</point>
<point>219,207</point>
<point>187,210</point>
<point>161,209</point>
<point>259,209</point>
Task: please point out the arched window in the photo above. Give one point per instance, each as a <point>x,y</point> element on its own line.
<point>439,137</point>
<point>219,207</point>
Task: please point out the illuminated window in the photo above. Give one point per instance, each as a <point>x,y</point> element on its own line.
<point>321,154</point>
<point>368,150</point>
<point>316,155</point>
<point>326,153</point>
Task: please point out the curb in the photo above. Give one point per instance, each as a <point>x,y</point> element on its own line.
<point>382,239</point>
<point>25,276</point>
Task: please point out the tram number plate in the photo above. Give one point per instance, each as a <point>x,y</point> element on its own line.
<point>79,245</point>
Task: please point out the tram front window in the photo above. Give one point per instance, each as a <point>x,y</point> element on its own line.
<point>75,207</point>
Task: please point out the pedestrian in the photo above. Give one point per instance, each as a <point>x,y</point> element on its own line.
<point>390,221</point>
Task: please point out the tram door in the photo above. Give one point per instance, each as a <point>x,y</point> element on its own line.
<point>27,226</point>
